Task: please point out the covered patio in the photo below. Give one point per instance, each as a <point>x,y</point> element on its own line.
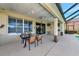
<point>19,18</point>
<point>22,18</point>
<point>67,45</point>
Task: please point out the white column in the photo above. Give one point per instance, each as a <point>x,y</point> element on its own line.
<point>46,28</point>
<point>62,28</point>
<point>56,26</point>
<point>34,27</point>
<point>55,29</point>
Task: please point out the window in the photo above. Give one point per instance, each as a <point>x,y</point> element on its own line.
<point>12,25</point>
<point>30,26</point>
<point>27,26</point>
<point>16,25</point>
<point>19,26</point>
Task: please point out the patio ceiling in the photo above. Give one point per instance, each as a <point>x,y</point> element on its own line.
<point>69,10</point>
<point>34,10</point>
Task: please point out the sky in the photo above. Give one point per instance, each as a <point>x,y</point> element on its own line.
<point>65,6</point>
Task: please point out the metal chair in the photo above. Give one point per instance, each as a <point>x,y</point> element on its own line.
<point>31,41</point>
<point>39,38</point>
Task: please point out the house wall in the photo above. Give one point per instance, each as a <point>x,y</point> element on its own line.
<point>73,26</point>
<point>4,35</point>
<point>50,28</point>
<point>4,20</point>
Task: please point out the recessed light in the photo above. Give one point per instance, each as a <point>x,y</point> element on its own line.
<point>33,12</point>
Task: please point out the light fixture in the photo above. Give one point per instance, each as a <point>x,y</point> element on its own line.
<point>33,12</point>
<point>2,25</point>
<point>41,17</point>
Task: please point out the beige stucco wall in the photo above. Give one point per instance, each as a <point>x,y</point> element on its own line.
<point>72,24</point>
<point>50,28</point>
<point>76,26</point>
<point>4,20</point>
<point>4,35</point>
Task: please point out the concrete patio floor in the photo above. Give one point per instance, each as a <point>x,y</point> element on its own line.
<point>67,45</point>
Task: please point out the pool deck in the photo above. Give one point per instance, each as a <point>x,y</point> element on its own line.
<point>67,45</point>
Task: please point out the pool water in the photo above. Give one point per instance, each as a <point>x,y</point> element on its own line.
<point>77,37</point>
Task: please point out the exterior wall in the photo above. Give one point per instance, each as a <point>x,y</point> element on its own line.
<point>73,26</point>
<point>76,26</point>
<point>70,26</point>
<point>4,20</point>
<point>5,38</point>
<point>4,35</point>
<point>50,28</point>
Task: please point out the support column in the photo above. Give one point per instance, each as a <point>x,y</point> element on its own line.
<point>55,29</point>
<point>46,28</point>
<point>62,29</point>
<point>34,27</point>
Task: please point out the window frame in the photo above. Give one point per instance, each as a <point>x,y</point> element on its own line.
<point>23,29</point>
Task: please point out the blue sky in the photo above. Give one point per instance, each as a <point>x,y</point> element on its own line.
<point>65,6</point>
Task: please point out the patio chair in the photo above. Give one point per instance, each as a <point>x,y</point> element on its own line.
<point>39,38</point>
<point>31,41</point>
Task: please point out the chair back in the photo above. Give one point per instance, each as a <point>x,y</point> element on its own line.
<point>39,37</point>
<point>32,39</point>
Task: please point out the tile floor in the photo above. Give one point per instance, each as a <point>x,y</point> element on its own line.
<point>67,45</point>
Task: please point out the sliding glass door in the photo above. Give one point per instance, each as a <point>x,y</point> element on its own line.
<point>40,28</point>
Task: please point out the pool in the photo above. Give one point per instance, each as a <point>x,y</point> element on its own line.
<point>77,36</point>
